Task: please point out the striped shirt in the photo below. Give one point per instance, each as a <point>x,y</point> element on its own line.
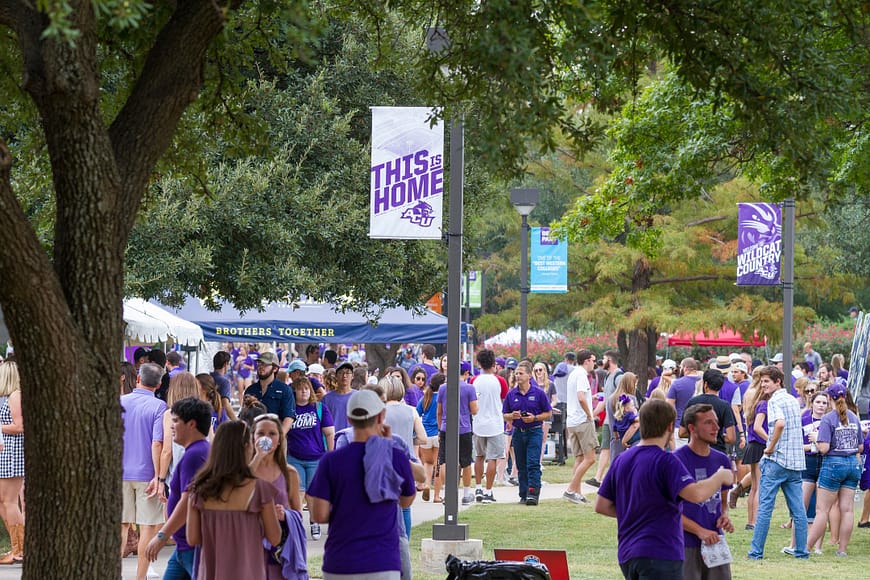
<point>789,451</point>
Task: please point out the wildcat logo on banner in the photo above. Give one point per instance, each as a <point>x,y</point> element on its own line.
<point>759,244</point>
<point>549,263</point>
<point>407,175</point>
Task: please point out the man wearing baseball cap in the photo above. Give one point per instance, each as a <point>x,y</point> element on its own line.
<point>357,489</point>
<point>275,395</point>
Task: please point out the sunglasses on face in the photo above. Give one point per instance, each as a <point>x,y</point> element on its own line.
<point>810,391</point>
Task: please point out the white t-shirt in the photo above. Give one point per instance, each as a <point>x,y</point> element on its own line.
<point>578,382</point>
<point>489,421</point>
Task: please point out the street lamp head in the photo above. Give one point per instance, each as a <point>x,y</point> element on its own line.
<point>524,200</point>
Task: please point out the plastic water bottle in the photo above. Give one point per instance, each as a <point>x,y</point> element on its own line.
<point>264,443</point>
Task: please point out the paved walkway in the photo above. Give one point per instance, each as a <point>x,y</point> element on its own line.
<point>421,512</point>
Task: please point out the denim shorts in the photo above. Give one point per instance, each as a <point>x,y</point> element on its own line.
<point>838,471</point>
<point>811,473</point>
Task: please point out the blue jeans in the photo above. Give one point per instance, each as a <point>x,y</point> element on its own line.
<point>527,448</point>
<point>180,565</point>
<point>773,477</point>
<point>306,469</point>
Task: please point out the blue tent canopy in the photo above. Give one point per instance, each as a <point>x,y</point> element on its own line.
<point>313,322</point>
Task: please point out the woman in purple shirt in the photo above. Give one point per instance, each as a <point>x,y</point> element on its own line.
<point>756,424</point>
<point>840,442</point>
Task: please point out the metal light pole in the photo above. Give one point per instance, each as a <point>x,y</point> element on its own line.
<point>524,201</point>
<point>437,41</point>
<point>787,284</point>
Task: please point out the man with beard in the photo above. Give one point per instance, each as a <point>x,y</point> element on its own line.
<point>614,373</point>
<point>275,395</point>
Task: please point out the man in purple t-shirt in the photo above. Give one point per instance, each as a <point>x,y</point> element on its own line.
<point>191,421</point>
<point>336,401</point>
<point>467,408</point>
<point>649,526</point>
<point>704,521</point>
<point>142,414</point>
<point>336,495</point>
<point>683,389</point>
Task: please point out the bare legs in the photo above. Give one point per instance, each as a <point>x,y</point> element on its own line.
<point>752,499</point>
<point>825,500</point>
<point>581,464</point>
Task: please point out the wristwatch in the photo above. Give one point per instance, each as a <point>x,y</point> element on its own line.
<point>161,535</point>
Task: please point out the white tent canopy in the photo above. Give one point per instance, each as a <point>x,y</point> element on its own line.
<point>145,322</point>
<point>512,336</point>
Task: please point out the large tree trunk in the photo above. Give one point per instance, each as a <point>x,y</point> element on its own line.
<point>65,314</point>
<point>637,347</point>
<point>380,356</point>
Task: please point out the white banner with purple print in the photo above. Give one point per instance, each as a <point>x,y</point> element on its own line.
<point>759,244</point>
<point>407,175</point>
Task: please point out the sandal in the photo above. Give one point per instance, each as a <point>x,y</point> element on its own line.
<point>437,500</point>
<point>785,526</point>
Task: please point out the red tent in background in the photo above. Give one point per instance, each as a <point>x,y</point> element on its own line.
<point>724,337</point>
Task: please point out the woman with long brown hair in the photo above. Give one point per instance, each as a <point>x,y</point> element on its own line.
<point>231,507</point>
<point>270,464</point>
<point>427,409</point>
<point>840,442</point>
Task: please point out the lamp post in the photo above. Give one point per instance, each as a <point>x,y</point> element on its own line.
<point>437,41</point>
<point>524,201</point>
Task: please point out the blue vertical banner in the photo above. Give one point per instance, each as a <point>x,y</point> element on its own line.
<point>759,244</point>
<point>549,263</point>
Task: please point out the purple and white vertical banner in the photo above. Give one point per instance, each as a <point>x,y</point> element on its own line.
<point>759,244</point>
<point>549,269</point>
<point>407,175</point>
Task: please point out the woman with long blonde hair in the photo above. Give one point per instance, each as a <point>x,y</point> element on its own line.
<point>11,460</point>
<point>627,387</point>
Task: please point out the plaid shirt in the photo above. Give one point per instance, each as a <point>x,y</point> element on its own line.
<point>789,452</point>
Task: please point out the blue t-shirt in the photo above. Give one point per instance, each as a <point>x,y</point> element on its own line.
<point>193,459</point>
<point>429,415</point>
<point>363,536</point>
<point>644,483</point>
<point>223,384</point>
<point>707,512</point>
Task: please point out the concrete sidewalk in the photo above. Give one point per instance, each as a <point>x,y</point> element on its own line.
<point>421,512</point>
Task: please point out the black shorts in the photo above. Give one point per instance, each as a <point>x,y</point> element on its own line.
<point>754,452</point>
<point>466,448</point>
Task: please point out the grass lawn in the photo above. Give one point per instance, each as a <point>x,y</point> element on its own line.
<point>590,540</point>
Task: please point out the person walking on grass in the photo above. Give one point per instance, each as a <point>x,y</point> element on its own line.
<point>527,407</point>
<point>705,521</point>
<point>580,423</point>
<point>781,466</point>
<point>643,490</point>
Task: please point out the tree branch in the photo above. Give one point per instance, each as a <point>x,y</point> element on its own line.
<point>687,279</point>
<point>707,220</point>
<point>169,82</point>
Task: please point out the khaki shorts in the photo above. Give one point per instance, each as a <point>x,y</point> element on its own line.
<point>582,438</point>
<point>490,448</point>
<point>139,509</point>
<point>431,442</point>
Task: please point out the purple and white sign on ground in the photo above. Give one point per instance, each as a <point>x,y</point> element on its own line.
<point>407,174</point>
<point>759,244</point>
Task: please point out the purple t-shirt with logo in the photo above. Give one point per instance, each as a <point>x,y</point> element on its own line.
<point>681,391</point>
<point>305,438</point>
<point>194,457</point>
<point>142,414</point>
<point>363,536</point>
<point>644,483</point>
<point>809,425</point>
<point>337,404</point>
<point>844,439</point>
<point>707,512</point>
<point>467,393</point>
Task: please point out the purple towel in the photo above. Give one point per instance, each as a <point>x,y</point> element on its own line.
<point>382,483</point>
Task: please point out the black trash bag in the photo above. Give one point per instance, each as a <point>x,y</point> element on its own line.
<point>495,570</point>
